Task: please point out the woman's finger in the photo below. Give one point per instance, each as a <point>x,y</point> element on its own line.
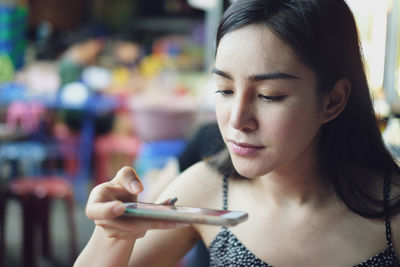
<point>104,210</point>
<point>128,178</point>
<point>126,235</point>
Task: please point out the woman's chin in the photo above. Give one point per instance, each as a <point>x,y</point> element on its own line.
<point>252,167</point>
<point>250,172</point>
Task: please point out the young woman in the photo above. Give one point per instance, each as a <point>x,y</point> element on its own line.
<point>304,155</point>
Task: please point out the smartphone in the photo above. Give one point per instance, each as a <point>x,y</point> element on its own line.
<point>184,214</point>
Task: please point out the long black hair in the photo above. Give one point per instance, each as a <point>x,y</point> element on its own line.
<point>323,33</point>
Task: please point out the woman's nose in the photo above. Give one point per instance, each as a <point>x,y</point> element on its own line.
<point>242,115</point>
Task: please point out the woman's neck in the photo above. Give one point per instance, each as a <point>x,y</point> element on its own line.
<point>297,183</point>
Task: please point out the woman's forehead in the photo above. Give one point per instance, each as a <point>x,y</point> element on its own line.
<point>255,49</point>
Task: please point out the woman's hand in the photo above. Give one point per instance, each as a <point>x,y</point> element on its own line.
<point>105,207</point>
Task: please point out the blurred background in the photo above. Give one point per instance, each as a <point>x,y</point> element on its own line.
<point>89,86</point>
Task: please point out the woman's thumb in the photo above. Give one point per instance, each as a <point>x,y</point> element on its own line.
<point>128,178</point>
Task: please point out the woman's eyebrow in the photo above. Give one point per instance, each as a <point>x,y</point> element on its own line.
<point>258,77</point>
<point>221,73</point>
<point>272,76</point>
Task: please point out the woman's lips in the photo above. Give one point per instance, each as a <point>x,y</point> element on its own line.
<point>244,149</point>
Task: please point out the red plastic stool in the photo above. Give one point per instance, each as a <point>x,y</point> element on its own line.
<point>109,147</point>
<point>35,195</point>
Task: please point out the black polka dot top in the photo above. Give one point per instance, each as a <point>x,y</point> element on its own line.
<point>227,250</point>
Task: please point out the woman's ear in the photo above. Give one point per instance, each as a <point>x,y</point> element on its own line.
<point>335,101</point>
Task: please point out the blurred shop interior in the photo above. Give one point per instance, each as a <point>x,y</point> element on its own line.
<point>87,87</point>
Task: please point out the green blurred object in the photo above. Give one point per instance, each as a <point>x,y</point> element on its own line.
<point>13,20</point>
<point>70,71</point>
<point>6,68</point>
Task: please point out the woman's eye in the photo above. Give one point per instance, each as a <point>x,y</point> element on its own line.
<point>272,98</point>
<point>224,92</point>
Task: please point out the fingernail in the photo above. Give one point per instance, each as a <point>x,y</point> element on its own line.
<point>173,201</point>
<point>136,186</point>
<point>117,209</point>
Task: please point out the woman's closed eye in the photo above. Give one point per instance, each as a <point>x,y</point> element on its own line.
<point>271,98</point>
<point>224,92</point>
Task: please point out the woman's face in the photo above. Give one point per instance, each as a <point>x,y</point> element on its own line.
<point>267,106</point>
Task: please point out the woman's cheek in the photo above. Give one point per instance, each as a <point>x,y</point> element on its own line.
<point>222,115</point>
<point>284,126</point>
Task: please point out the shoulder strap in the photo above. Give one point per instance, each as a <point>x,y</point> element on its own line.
<point>386,195</point>
<point>225,193</point>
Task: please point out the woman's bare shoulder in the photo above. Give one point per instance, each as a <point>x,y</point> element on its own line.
<point>200,185</point>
